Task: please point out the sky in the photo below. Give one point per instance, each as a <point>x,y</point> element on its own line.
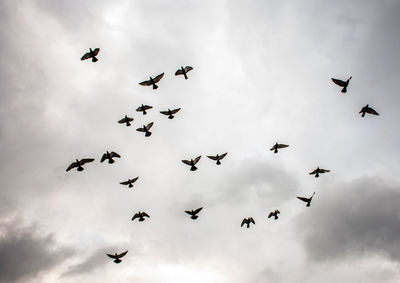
<point>261,74</point>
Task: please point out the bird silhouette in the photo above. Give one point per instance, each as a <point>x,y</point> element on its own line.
<point>278,145</point>
<point>140,215</point>
<point>110,156</point>
<point>91,54</point>
<point>307,200</point>
<point>127,120</point>
<point>170,112</point>
<point>130,182</point>
<point>217,157</point>
<point>143,108</point>
<point>192,163</point>
<point>153,81</point>
<point>183,71</point>
<point>193,213</point>
<point>342,84</point>
<point>319,171</point>
<point>369,110</point>
<point>117,257</point>
<point>274,213</point>
<point>79,163</point>
<point>145,129</point>
<point>248,221</point>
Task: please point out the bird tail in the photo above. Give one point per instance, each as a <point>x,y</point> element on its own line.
<point>144,112</point>
<point>155,86</point>
<point>111,161</point>
<point>193,168</point>
<point>308,204</point>
<point>130,185</point>
<point>344,90</point>
<point>80,168</point>
<point>218,162</point>
<point>317,175</point>
<point>117,260</point>
<point>276,150</point>
<point>170,117</point>
<point>185,76</point>
<point>128,124</point>
<point>94,59</point>
<point>363,114</point>
<point>148,134</point>
<point>194,217</point>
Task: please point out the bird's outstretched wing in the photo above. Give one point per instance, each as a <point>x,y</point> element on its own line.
<point>135,216</point>
<point>86,160</point>
<point>313,172</point>
<point>140,130</point>
<point>187,162</point>
<point>212,157</point>
<point>188,68</point>
<point>112,256</point>
<point>104,157</point>
<point>339,82</point>
<point>147,107</point>
<point>244,222</point>
<point>122,254</point>
<point>114,154</point>
<point>96,51</point>
<point>146,83</point>
<point>175,111</point>
<point>197,159</point>
<point>190,212</point>
<point>158,78</point>
<point>164,112</point>
<point>135,179</point>
<point>123,120</point>
<point>222,155</point>
<point>73,165</point>
<point>197,210</point>
<point>371,111</point>
<point>86,56</point>
<point>125,183</point>
<point>281,145</point>
<point>273,148</point>
<point>149,125</point>
<point>145,214</point>
<point>252,220</point>
<point>179,72</point>
<point>277,211</point>
<point>324,170</point>
<point>271,214</point>
<point>304,199</point>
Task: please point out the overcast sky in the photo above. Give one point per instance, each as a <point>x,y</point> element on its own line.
<point>261,74</point>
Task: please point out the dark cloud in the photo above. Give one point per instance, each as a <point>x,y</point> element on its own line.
<point>26,253</point>
<point>94,261</point>
<point>353,219</point>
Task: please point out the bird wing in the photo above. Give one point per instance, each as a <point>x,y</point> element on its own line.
<point>86,56</point>
<point>339,82</point>
<point>243,222</point>
<point>222,155</point>
<point>149,125</point>
<point>371,111</point>
<point>114,154</point>
<point>197,210</point>
<point>196,160</point>
<point>252,220</point>
<point>140,108</point>
<point>190,212</point>
<point>123,120</point>
<point>145,214</point>
<point>96,51</point>
<point>86,160</point>
<point>364,109</point>
<point>140,130</point>
<point>271,214</point>
<point>273,148</point>
<point>187,162</point>
<point>122,254</point>
<point>179,72</point>
<point>281,145</point>
<point>112,256</point>
<point>277,211</point>
<point>212,157</point>
<point>323,170</point>
<point>104,157</point>
<point>303,199</point>
<point>164,112</point>
<point>313,172</point>
<point>175,111</point>
<point>146,83</point>
<point>125,183</point>
<point>158,78</point>
<point>188,68</point>
<point>73,165</point>
<point>135,179</point>
<point>147,107</point>
<point>135,216</point>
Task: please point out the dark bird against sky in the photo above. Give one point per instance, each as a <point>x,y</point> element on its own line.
<point>91,54</point>
<point>110,156</point>
<point>341,83</point>
<point>369,110</point>
<point>170,112</point>
<point>145,129</point>
<point>319,171</point>
<point>193,213</point>
<point>117,257</point>
<point>307,200</point>
<point>274,213</point>
<point>248,221</point>
<point>152,81</point>
<point>130,182</point>
<point>140,215</point>
<point>278,145</point>
<point>79,163</point>
<point>143,108</point>
<point>217,157</point>
<point>183,71</point>
<point>192,163</point>
<point>127,120</point>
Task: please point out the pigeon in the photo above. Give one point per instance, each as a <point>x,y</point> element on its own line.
<point>110,156</point>
<point>152,81</point>
<point>146,129</point>
<point>117,257</point>
<point>248,221</point>
<point>143,108</point>
<point>127,120</point>
<point>342,84</point>
<point>274,213</point>
<point>307,200</point>
<point>217,157</point>
<point>369,110</point>
<point>319,171</point>
<point>91,54</point>
<point>140,215</point>
<point>183,71</point>
<point>278,145</point>
<point>130,182</point>
<point>79,163</point>
<point>193,212</point>
<point>192,163</point>
<point>170,112</point>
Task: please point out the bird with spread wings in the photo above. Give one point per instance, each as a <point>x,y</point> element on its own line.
<point>192,163</point>
<point>152,81</point>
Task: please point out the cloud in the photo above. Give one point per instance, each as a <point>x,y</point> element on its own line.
<point>94,261</point>
<point>25,252</point>
<point>353,219</point>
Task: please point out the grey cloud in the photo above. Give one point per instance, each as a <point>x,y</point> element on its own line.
<point>94,261</point>
<point>353,219</point>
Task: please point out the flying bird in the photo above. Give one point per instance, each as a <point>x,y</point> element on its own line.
<point>193,213</point>
<point>140,215</point>
<point>146,129</point>
<point>127,120</point>
<point>170,112</point>
<point>183,71</point>
<point>319,171</point>
<point>217,157</point>
<point>117,257</point>
<point>110,156</point>
<point>152,81</point>
<point>192,163</point>
<point>91,54</point>
<point>274,213</point>
<point>307,200</point>
<point>278,145</point>
<point>369,110</point>
<point>248,221</point>
<point>143,108</point>
<point>342,84</point>
<point>79,163</point>
<point>130,182</point>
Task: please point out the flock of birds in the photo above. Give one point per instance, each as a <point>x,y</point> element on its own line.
<point>78,163</point>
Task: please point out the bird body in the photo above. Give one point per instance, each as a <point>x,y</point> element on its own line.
<point>183,71</point>
<point>341,83</point>
<point>91,54</point>
<point>278,145</point>
<point>130,182</point>
<point>117,257</point>
<point>170,112</point>
<point>143,108</point>
<point>79,163</point>
<point>369,110</point>
<point>153,81</point>
<point>217,157</point>
<point>319,171</point>
<point>307,200</point>
<point>274,213</point>
<point>110,156</point>
<point>192,163</point>
<point>141,216</point>
<point>145,129</point>
<point>126,120</point>
<point>194,213</point>
<point>247,221</point>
